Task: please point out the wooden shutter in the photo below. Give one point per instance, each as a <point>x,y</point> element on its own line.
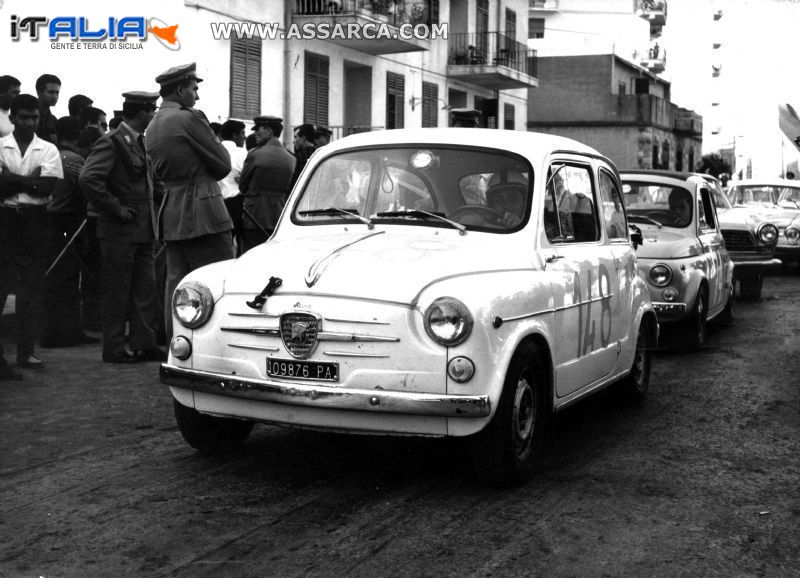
<point>430,104</point>
<point>245,89</point>
<point>508,114</point>
<point>315,93</point>
<point>433,17</point>
<point>395,100</point>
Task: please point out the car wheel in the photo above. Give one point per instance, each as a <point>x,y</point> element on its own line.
<point>504,453</point>
<point>750,287</point>
<point>634,386</point>
<point>697,322</point>
<point>210,434</point>
<point>727,314</point>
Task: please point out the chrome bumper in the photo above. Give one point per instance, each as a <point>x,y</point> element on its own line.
<point>326,396</point>
<point>755,265</point>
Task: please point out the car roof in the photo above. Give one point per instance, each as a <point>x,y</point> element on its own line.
<point>661,176</point>
<point>767,181</point>
<point>524,143</point>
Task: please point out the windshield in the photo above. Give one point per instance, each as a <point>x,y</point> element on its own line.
<point>790,196</point>
<point>763,195</point>
<point>467,189</point>
<point>660,205</point>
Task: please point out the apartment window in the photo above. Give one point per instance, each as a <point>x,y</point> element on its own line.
<point>245,92</point>
<point>430,104</point>
<point>622,88</point>
<point>315,101</point>
<point>511,24</point>
<point>508,116</point>
<point>535,27</point>
<point>395,100</point>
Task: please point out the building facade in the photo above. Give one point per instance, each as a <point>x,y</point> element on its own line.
<point>599,70</point>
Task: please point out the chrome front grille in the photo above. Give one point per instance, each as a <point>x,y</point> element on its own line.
<point>739,241</point>
<point>299,332</point>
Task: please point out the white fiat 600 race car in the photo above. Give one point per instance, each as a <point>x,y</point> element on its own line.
<point>432,282</point>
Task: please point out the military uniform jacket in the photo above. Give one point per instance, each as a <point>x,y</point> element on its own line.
<point>189,160</point>
<point>117,174</point>
<point>265,182</point>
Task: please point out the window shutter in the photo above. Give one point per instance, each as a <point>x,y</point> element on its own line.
<point>245,88</point>
<point>315,93</point>
<point>434,12</point>
<point>430,104</point>
<point>508,113</point>
<point>395,100</point>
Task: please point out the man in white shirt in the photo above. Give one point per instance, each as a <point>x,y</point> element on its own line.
<point>29,169</point>
<point>233,140</point>
<point>9,88</point>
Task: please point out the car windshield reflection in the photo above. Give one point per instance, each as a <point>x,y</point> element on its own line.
<point>457,188</point>
<point>660,205</point>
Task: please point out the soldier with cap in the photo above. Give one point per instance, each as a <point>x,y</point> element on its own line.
<point>117,179</point>
<point>265,181</point>
<point>189,159</point>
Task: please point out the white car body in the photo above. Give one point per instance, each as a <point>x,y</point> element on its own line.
<point>580,304</point>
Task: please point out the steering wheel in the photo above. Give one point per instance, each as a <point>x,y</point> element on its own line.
<point>487,214</point>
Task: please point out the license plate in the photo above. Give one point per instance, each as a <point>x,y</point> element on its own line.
<point>312,370</point>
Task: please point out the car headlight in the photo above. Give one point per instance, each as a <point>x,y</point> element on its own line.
<point>192,304</point>
<point>660,275</point>
<point>448,321</point>
<point>792,233</point>
<point>768,233</point>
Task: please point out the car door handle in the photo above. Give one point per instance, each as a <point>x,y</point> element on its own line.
<point>551,258</point>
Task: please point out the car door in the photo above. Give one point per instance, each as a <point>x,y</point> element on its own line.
<point>713,246</point>
<point>576,255</point>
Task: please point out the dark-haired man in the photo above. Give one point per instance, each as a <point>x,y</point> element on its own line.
<point>77,103</point>
<point>9,88</point>
<point>265,180</point>
<point>117,179</point>
<point>92,117</point>
<point>29,169</point>
<point>303,149</point>
<point>48,87</point>
<point>188,158</point>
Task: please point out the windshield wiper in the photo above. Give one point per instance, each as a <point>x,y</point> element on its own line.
<point>420,214</point>
<point>338,211</point>
<point>645,219</point>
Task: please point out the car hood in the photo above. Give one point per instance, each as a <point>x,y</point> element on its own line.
<point>667,243</point>
<point>778,216</point>
<point>379,264</point>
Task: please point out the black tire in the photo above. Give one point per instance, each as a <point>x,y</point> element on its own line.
<point>505,452</point>
<point>696,324</point>
<point>727,314</point>
<point>633,388</point>
<point>210,434</point>
<point>750,287</point>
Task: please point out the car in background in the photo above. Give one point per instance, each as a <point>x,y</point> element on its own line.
<point>750,240</point>
<point>683,257</point>
<point>428,282</point>
<point>775,200</point>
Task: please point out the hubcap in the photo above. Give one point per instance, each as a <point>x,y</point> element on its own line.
<point>523,417</point>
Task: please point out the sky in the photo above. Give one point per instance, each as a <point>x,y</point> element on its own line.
<point>759,60</point>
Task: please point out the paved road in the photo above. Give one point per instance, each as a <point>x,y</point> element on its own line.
<point>703,479</point>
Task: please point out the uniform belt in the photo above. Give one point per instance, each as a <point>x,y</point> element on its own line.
<point>187,183</point>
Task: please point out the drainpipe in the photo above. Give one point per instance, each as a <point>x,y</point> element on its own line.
<point>287,19</point>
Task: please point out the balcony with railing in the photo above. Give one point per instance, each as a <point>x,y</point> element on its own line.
<point>491,60</point>
<point>654,11</point>
<point>543,5</point>
<point>368,17</point>
<point>688,122</point>
<point>656,60</point>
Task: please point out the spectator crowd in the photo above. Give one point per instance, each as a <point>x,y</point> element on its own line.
<point>100,219</point>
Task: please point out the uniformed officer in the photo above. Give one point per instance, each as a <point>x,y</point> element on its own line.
<point>117,179</point>
<point>265,181</point>
<point>189,159</point>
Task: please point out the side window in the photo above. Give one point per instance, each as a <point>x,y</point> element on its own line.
<point>570,213</point>
<point>612,207</point>
<point>705,210</point>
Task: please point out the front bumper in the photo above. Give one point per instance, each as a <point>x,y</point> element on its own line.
<point>752,266</point>
<point>326,396</point>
